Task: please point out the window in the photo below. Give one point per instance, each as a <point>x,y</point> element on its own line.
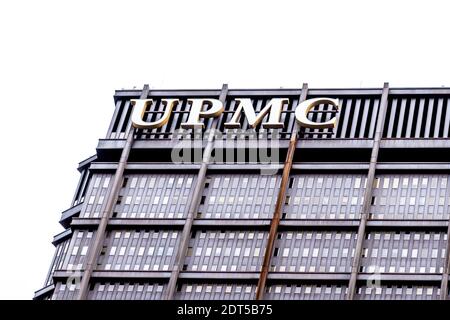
<point>395,183</point>
<point>315,253</point>
<point>305,252</point>
<point>404,253</point>
<point>84,250</point>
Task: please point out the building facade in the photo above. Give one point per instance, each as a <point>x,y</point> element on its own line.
<point>357,211</point>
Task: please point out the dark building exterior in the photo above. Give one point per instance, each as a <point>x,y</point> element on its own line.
<point>358,211</point>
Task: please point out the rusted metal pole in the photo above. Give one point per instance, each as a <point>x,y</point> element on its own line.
<point>279,205</point>
<point>107,212</point>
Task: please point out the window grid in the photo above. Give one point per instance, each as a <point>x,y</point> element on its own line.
<point>306,292</point>
<point>60,254</point>
<point>403,252</point>
<point>95,199</point>
<point>64,291</point>
<point>126,291</point>
<point>398,292</point>
<point>82,186</point>
<point>77,251</point>
<point>239,196</point>
<point>324,196</point>
<point>313,251</point>
<point>139,250</point>
<point>410,197</point>
<point>224,251</point>
<point>214,291</point>
<point>155,196</point>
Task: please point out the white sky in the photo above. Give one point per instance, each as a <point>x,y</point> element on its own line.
<point>60,63</point>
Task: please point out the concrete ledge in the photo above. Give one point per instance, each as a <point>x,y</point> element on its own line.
<point>44,292</point>
<point>278,276</point>
<point>249,224</point>
<point>411,277</point>
<point>219,275</point>
<point>362,166</point>
<point>68,214</point>
<point>61,236</point>
<point>319,223</point>
<point>413,166</point>
<point>219,223</point>
<point>441,224</point>
<point>244,276</point>
<point>131,274</point>
<point>107,274</point>
<point>279,144</point>
<point>87,222</point>
<point>430,143</point>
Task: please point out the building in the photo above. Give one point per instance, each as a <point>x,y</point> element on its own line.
<point>357,211</point>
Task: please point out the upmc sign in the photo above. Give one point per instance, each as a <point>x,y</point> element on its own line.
<point>208,108</point>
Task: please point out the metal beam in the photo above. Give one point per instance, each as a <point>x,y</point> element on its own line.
<point>97,245</point>
<point>286,91</point>
<point>279,205</point>
<point>341,166</point>
<point>193,206</point>
<point>335,143</point>
<point>275,277</point>
<point>258,224</point>
<point>368,192</point>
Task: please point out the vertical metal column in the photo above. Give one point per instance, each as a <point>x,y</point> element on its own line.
<point>107,212</point>
<point>193,206</point>
<point>444,282</point>
<point>279,204</point>
<point>368,192</point>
